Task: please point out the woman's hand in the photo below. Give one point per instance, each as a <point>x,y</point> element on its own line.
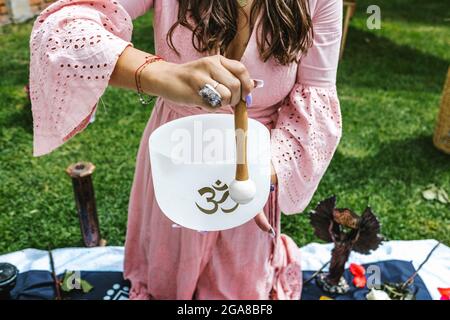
<point>261,219</point>
<point>180,83</point>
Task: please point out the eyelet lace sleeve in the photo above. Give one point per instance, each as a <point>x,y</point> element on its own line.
<point>309,125</point>
<point>74,47</point>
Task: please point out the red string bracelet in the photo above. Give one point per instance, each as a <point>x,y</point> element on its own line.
<point>137,77</point>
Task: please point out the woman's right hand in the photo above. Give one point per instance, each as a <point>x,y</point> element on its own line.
<point>180,83</point>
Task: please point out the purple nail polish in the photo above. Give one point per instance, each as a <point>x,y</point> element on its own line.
<point>272,233</point>
<point>249,100</point>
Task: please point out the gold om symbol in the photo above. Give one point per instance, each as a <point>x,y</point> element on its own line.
<point>210,194</point>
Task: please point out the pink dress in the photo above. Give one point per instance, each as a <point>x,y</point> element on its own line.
<point>74,47</point>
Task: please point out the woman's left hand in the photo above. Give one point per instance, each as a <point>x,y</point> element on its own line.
<point>261,219</point>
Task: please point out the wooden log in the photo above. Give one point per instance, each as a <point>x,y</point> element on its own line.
<point>349,7</point>
<point>442,133</point>
<point>81,174</point>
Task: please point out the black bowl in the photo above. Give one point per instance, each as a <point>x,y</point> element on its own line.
<point>8,277</point>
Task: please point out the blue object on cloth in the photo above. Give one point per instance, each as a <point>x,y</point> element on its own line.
<point>112,286</point>
<point>393,271</point>
<point>102,267</point>
<point>38,285</point>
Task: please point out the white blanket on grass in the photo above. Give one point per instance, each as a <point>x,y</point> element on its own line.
<point>435,273</point>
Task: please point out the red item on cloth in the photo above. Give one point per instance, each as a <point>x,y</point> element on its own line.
<point>359,273</point>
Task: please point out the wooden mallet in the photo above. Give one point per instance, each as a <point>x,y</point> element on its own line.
<point>242,189</point>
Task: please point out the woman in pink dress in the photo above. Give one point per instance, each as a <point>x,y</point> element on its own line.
<point>79,47</point>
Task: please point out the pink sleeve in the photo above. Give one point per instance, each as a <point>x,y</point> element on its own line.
<point>74,47</point>
<point>136,8</point>
<point>309,128</point>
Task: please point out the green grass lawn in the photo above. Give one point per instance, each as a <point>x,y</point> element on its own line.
<point>389,82</point>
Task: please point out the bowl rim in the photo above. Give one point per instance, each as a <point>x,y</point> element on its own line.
<point>13,277</point>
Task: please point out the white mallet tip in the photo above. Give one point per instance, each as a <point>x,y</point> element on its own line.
<point>242,192</point>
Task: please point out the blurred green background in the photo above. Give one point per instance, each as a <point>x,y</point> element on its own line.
<point>389,82</point>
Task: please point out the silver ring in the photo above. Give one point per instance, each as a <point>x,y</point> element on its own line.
<point>210,95</point>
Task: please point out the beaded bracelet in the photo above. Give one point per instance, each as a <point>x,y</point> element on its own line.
<point>137,77</point>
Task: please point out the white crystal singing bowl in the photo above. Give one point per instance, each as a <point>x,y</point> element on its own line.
<point>193,162</point>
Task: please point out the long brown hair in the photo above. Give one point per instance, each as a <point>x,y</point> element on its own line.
<point>285,26</point>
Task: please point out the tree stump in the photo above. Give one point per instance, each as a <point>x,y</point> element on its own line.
<point>81,174</point>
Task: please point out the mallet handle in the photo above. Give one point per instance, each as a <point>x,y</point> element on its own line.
<point>241,128</point>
